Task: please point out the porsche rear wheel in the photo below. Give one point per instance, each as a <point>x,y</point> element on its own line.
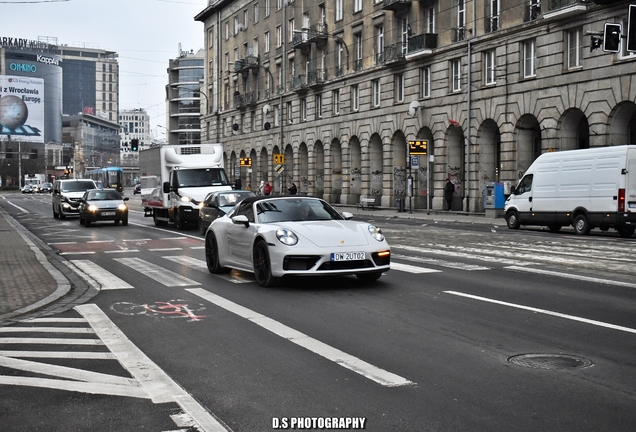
<point>262,266</point>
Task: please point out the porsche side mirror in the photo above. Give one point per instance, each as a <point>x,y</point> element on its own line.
<point>347,215</point>
<point>241,219</point>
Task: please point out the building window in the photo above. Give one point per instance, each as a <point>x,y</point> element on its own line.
<point>279,4</point>
<point>227,29</point>
<point>357,38</point>
<point>375,84</point>
<point>425,79</point>
<point>267,7</point>
<point>379,44</point>
<point>292,29</point>
<point>246,18</point>
<point>529,59</point>
<point>456,75</point>
<point>489,66</point>
<point>276,115</point>
<point>339,54</point>
<point>492,16</point>
<point>255,13</point>
<point>461,13</point>
<point>266,42</point>
<point>624,53</point>
<point>227,61</point>
<point>574,48</point>
<point>355,97</point>
<point>336,102</point>
<point>279,36</point>
<point>357,6</point>
<point>339,10</point>
<point>303,109</point>
<point>236,25</point>
<point>318,106</point>
<point>405,30</point>
<point>290,117</point>
<point>398,84</point>
<point>429,20</point>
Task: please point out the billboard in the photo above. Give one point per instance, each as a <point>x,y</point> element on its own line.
<point>22,108</point>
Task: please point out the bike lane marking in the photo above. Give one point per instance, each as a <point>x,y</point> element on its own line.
<point>103,277</point>
<point>159,274</point>
<point>158,385</point>
<point>359,366</point>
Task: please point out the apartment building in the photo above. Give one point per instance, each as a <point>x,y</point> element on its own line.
<point>337,89</point>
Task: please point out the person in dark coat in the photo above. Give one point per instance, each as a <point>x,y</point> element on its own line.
<point>449,189</point>
<point>237,184</point>
<point>292,189</point>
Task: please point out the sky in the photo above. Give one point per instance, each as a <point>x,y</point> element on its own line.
<point>145,33</point>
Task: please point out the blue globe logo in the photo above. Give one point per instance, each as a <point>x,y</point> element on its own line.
<point>13,112</point>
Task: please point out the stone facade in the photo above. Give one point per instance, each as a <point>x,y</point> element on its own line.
<point>488,88</point>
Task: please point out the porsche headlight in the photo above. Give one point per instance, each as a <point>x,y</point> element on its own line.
<point>376,232</point>
<point>122,207</point>
<point>286,237</point>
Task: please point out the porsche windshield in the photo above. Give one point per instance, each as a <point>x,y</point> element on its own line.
<point>295,209</point>
<point>201,177</point>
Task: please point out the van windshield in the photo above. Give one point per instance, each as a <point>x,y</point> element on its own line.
<point>78,186</point>
<point>201,177</point>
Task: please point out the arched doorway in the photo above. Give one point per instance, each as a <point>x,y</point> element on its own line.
<point>303,169</point>
<point>454,166</point>
<point>423,177</point>
<point>376,159</point>
<point>355,164</point>
<point>287,177</point>
<point>622,127</point>
<point>336,171</point>
<point>399,153</point>
<point>528,144</point>
<point>319,160</point>
<point>574,130</point>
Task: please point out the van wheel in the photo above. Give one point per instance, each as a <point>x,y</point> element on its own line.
<point>625,232</point>
<point>581,225</point>
<point>512,219</point>
<point>554,228</point>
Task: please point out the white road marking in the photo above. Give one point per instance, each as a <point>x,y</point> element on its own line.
<point>103,277</point>
<point>348,361</point>
<point>234,276</point>
<point>166,249</point>
<point>158,385</point>
<point>50,341</point>
<point>546,312</point>
<point>76,330</point>
<point>101,241</point>
<point>159,274</point>
<point>571,276</point>
<point>412,269</point>
<point>434,261</point>
<point>78,253</point>
<point>121,251</point>
<point>88,355</point>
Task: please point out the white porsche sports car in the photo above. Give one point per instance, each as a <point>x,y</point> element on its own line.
<point>279,236</point>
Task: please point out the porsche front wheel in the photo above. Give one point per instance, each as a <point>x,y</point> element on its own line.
<point>262,265</point>
<point>212,255</point>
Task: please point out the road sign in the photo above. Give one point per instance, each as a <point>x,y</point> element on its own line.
<point>415,162</point>
<point>246,162</point>
<point>279,169</point>
<point>418,147</point>
<point>279,158</point>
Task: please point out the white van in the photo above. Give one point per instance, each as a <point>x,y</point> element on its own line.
<point>586,188</point>
<point>66,195</point>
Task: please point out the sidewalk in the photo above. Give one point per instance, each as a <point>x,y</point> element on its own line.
<point>30,276</point>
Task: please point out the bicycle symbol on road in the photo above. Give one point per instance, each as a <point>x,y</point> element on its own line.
<point>169,309</point>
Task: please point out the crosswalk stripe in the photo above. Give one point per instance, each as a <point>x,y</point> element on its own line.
<point>86,355</point>
<point>412,269</point>
<point>197,264</point>
<point>157,273</point>
<point>106,279</point>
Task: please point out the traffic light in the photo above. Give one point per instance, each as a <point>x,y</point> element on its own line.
<point>134,144</point>
<point>612,37</point>
<point>631,28</point>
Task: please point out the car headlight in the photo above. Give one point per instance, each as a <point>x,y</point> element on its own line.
<point>185,199</point>
<point>92,208</point>
<point>122,207</point>
<point>286,237</point>
<point>376,232</point>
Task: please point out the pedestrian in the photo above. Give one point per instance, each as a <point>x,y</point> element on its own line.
<point>292,189</point>
<point>261,188</point>
<point>249,186</point>
<point>449,189</point>
<point>238,184</point>
<point>267,189</point>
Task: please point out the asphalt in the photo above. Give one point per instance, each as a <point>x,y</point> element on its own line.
<point>36,281</point>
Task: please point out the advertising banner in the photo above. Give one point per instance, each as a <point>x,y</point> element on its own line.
<point>22,108</point>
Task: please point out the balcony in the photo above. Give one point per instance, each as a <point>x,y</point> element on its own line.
<point>316,78</point>
<point>458,34</point>
<point>564,8</point>
<point>315,33</point>
<point>247,63</point>
<point>251,98</point>
<point>396,5</point>
<point>492,24</point>
<point>395,53</point>
<point>532,12</point>
<point>357,65</point>
<point>423,42</point>
<point>299,83</point>
<point>239,101</point>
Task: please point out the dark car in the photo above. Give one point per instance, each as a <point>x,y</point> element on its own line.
<point>46,188</point>
<point>137,189</point>
<point>27,189</point>
<point>102,205</point>
<point>217,204</point>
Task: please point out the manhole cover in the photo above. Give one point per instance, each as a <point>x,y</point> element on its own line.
<point>550,361</point>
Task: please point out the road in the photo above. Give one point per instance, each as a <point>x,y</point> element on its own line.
<point>475,328</point>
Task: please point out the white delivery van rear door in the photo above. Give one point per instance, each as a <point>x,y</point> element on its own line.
<point>630,182</point>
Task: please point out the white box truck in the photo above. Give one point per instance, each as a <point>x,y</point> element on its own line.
<point>186,173</point>
<point>587,188</point>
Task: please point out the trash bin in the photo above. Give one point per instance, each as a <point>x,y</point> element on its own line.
<point>399,203</point>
